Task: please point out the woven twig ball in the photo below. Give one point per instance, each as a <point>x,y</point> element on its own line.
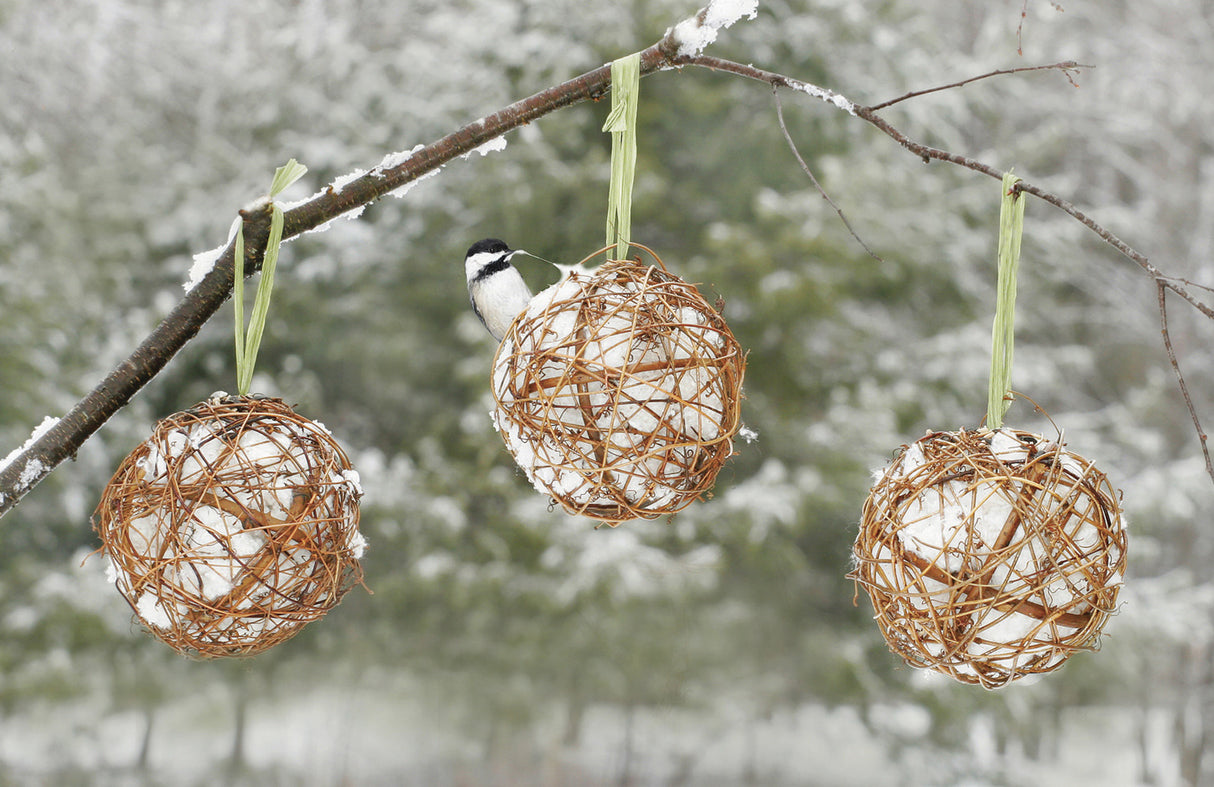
<point>233,526</point>
<point>990,555</point>
<point>618,392</point>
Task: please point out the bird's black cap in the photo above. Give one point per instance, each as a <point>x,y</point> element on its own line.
<point>492,245</point>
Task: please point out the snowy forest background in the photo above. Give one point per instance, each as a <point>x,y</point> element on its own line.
<point>507,643</point>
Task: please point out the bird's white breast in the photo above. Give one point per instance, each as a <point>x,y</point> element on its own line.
<point>500,297</point>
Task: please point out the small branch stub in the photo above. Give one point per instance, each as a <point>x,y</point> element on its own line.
<point>990,555</point>
<point>619,392</point>
<point>233,526</point>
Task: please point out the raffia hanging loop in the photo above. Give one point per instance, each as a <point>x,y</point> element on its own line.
<point>990,555</point>
<point>618,392</point>
<point>233,526</point>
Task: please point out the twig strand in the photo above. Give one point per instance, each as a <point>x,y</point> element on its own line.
<point>775,91</point>
<point>1066,67</point>
<point>1184,387</point>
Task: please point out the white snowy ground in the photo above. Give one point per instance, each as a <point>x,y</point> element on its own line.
<point>380,731</point>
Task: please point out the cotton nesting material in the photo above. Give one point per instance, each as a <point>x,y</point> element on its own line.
<point>618,392</point>
<point>990,555</point>
<point>233,526</point>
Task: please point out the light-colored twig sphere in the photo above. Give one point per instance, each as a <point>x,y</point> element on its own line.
<point>233,526</point>
<point>619,392</point>
<point>990,555</point>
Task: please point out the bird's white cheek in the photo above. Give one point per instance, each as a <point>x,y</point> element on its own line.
<point>473,264</point>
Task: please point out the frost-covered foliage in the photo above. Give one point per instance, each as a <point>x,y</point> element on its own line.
<point>130,132</point>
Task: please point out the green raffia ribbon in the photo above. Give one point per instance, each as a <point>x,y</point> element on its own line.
<point>622,123</point>
<point>1011,227</point>
<point>247,343</point>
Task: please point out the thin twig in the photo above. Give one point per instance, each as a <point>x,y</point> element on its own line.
<point>1024,12</point>
<point>1184,388</point>
<point>1189,283</point>
<point>1066,67</point>
<point>775,91</point>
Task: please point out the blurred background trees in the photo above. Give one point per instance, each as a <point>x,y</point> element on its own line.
<point>505,641</point>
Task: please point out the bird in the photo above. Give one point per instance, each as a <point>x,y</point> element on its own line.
<point>497,291</point>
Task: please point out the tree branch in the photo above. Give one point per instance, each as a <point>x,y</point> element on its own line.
<point>35,461</point>
<point>928,153</point>
<point>60,442</point>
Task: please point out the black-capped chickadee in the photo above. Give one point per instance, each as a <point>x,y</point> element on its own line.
<point>497,291</point>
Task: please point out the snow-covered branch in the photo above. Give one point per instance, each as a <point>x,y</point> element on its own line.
<point>1163,281</point>
<point>211,282</point>
<point>928,153</point>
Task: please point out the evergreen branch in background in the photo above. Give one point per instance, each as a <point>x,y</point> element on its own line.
<point>681,46</point>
